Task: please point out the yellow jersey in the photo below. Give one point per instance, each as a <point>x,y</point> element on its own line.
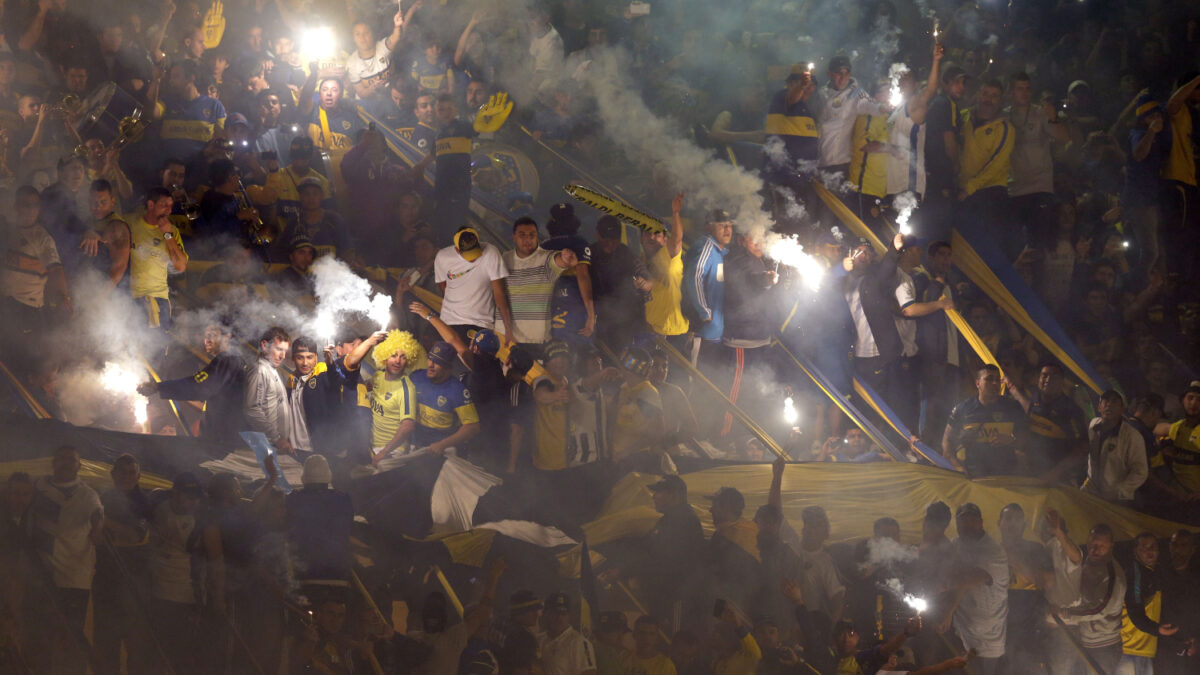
<point>664,309</point>
<point>1181,163</point>
<point>392,402</point>
<point>987,147</point>
<point>868,171</point>
<point>149,262</point>
<point>1134,641</point>
<point>658,664</point>
<point>1186,462</point>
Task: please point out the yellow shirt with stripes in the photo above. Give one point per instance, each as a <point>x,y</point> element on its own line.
<point>1186,463</point>
<point>1136,642</point>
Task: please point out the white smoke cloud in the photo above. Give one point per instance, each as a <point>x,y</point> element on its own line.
<point>340,291</point>
<point>904,203</point>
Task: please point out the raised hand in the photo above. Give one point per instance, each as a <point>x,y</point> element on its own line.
<point>214,25</point>
<point>494,113</point>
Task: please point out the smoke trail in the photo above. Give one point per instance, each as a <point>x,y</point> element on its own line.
<point>885,551</point>
<point>904,203</point>
<point>340,291</point>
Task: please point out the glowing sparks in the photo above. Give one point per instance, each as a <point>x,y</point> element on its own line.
<point>790,414</point>
<point>788,251</point>
<point>124,382</point>
<point>812,67</point>
<point>318,44</point>
<point>918,604</point>
<point>935,30</point>
<point>905,203</point>
<point>895,72</point>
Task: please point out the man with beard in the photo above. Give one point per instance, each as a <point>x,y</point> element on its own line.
<point>977,606</point>
<point>1090,599</point>
<point>1184,439</point>
<point>219,384</point>
<point>1140,620</point>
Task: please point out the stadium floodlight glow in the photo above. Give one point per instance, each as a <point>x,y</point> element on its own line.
<point>318,43</point>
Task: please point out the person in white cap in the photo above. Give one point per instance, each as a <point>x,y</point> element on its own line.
<point>318,525</point>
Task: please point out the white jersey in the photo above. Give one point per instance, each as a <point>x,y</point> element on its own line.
<point>906,162</point>
<point>838,112</point>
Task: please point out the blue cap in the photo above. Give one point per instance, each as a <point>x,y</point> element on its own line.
<point>1146,104</point>
<point>443,353</point>
<point>486,341</point>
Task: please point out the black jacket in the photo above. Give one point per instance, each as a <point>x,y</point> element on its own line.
<point>877,293</point>
<point>931,329</point>
<point>748,296</point>
<point>324,412</point>
<point>221,385</point>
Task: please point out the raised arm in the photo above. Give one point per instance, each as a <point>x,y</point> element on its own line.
<point>675,240</point>
<point>359,353</point>
<point>918,106</point>
<point>1180,97</point>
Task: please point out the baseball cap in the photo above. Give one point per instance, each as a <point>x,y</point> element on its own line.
<point>311,181</point>
<point>316,471</point>
<point>301,242</point>
<point>1146,104</point>
<point>719,216</point>
<point>302,146</point>
<point>798,70</point>
<point>832,237</point>
<point>187,484</point>
<point>561,211</point>
<point>523,601</point>
<point>671,483</point>
<point>1077,84</point>
<point>839,62</point>
<point>466,242</point>
<point>1192,388</point>
<point>486,340</point>
<point>608,227</point>
<point>968,509</point>
<point>558,602</point>
<point>442,353</point>
<point>612,622</point>
<point>555,348</point>
<point>237,118</point>
<point>729,498</point>
<point>952,73</point>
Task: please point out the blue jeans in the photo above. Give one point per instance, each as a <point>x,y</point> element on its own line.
<point>1135,665</point>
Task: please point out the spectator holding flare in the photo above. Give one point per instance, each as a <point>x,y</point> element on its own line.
<point>220,384</point>
<point>393,399</point>
<point>985,432</point>
<point>471,276</point>
<point>368,65</point>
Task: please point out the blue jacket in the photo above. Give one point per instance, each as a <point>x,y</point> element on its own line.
<point>704,289</point>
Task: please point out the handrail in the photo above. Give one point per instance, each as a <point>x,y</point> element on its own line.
<point>731,407</point>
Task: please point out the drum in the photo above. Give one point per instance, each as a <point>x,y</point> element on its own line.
<point>103,110</point>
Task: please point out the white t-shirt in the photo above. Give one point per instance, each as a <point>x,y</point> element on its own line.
<point>821,583</point>
<point>359,69</point>
<point>1031,166</point>
<point>906,165</point>
<point>62,518</point>
<point>982,615</point>
<point>170,560</point>
<point>530,289</point>
<point>906,294</point>
<point>468,300</point>
<point>839,111</point>
<point>23,274</point>
<point>568,654</point>
<point>446,647</point>
<point>547,52</point>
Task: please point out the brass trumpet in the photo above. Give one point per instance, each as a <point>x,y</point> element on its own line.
<point>130,129</point>
<point>68,105</point>
<point>259,233</point>
<point>185,202</point>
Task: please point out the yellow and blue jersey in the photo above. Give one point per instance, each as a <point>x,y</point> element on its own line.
<point>442,408</point>
<point>794,125</point>
<point>987,148</point>
<point>391,402</point>
<point>1186,462</point>
<point>432,76</point>
<point>188,125</point>
<point>453,150</point>
<point>334,129</point>
<point>868,170</point>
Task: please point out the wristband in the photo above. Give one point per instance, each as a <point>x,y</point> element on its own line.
<point>432,315</point>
